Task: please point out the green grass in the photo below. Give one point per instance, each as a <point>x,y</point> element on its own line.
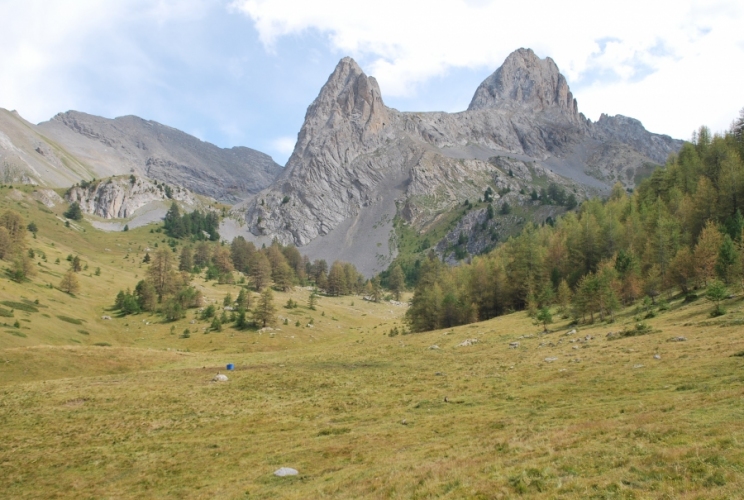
<point>358,413</point>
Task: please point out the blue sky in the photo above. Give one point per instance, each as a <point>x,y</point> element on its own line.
<point>242,72</point>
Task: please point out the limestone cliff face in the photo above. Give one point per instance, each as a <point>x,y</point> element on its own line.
<point>526,80</point>
<point>120,197</point>
<point>358,163</point>
<point>330,175</point>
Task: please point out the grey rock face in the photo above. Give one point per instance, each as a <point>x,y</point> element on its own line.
<point>525,79</point>
<point>120,197</point>
<point>130,144</point>
<point>358,163</point>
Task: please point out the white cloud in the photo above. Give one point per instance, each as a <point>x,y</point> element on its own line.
<point>635,56</point>
<point>283,145</point>
<point>43,44</point>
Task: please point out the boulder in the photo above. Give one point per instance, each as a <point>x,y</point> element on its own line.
<point>285,471</point>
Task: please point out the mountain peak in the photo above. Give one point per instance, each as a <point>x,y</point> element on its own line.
<point>529,81</point>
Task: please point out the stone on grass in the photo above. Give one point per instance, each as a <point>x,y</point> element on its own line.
<point>550,360</point>
<point>467,342</point>
<point>657,356</point>
<point>220,378</point>
<point>285,471</point>
<point>677,339</point>
<point>513,345</point>
<point>433,347</point>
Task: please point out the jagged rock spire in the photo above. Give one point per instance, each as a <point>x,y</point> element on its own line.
<point>527,80</point>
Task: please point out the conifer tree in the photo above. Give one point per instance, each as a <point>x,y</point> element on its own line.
<point>260,271</point>
<point>397,281</point>
<point>69,283</point>
<point>265,312</point>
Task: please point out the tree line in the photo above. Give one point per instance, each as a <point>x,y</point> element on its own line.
<point>680,229</point>
<point>167,287</point>
<point>196,225</point>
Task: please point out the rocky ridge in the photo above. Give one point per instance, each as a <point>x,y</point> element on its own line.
<point>74,147</point>
<point>357,163</point>
<point>129,144</point>
<point>121,197</point>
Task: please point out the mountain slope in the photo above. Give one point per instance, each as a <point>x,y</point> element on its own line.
<point>162,153</point>
<point>358,164</point>
<point>75,146</point>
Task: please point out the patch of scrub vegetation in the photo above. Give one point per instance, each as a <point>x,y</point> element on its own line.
<point>74,321</point>
<point>21,306</point>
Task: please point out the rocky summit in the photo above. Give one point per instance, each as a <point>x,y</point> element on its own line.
<point>357,164</point>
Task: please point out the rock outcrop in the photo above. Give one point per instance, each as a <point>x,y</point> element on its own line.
<point>357,163</point>
<point>526,80</point>
<point>121,197</point>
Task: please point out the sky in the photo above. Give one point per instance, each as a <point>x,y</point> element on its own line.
<point>243,72</point>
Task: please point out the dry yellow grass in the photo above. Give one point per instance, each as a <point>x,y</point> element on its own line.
<point>359,413</point>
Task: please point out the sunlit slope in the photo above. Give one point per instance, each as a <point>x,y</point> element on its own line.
<point>363,414</point>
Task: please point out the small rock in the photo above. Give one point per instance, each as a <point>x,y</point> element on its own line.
<point>105,317</point>
<point>637,366</point>
<point>656,356</point>
<point>513,345</point>
<point>220,378</point>
<point>677,339</point>
<point>439,374</point>
<point>575,347</point>
<point>285,471</point>
<point>404,422</point>
<point>433,347</point>
<point>550,360</point>
<point>571,332</point>
<point>467,342</point>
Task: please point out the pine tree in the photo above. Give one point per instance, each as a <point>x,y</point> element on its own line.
<point>706,252</point>
<point>69,283</point>
<point>283,276</point>
<point>397,280</point>
<point>146,296</point>
<point>160,272</point>
<point>728,263</point>
<point>564,297</point>
<point>265,312</point>
<point>260,271</point>
<point>243,300</point>
<point>186,259</point>
<point>545,317</point>
<point>717,293</point>
<point>74,212</point>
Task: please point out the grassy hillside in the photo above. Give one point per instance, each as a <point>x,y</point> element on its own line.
<point>126,408</point>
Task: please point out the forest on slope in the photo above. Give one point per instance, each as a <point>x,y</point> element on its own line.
<point>680,229</point>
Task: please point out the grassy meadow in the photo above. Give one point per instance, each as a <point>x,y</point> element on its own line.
<point>125,407</point>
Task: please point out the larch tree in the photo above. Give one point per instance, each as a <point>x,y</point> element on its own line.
<point>265,312</point>
<point>69,283</point>
<point>397,281</point>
